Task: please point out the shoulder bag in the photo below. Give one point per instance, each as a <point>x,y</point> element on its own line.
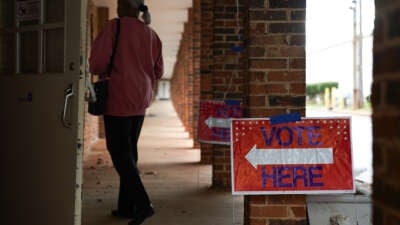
<point>97,106</point>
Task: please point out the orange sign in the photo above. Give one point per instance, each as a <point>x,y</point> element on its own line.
<point>307,156</point>
<point>215,120</point>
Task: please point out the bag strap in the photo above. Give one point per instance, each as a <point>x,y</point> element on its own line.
<point>110,66</point>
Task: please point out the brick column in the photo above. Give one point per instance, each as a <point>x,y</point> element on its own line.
<point>182,79</point>
<point>206,89</point>
<point>178,80</point>
<point>186,76</point>
<point>275,85</point>
<point>228,74</point>
<point>386,113</point>
<point>192,77</point>
<point>185,81</point>
<point>196,46</point>
<point>189,75</point>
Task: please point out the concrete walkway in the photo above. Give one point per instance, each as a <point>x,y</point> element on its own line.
<point>178,185</point>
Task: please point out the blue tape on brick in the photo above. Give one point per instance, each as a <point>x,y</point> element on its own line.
<point>286,118</point>
<point>232,102</point>
<point>237,49</point>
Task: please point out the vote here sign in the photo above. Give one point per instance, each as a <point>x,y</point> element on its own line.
<point>215,120</point>
<point>310,156</point>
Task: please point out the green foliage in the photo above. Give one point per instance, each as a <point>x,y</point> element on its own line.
<point>313,90</point>
<point>327,85</point>
<point>368,102</point>
<point>368,99</point>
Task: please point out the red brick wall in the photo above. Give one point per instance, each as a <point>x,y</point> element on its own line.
<point>189,75</point>
<point>185,81</point>
<point>177,82</point>
<point>210,39</point>
<point>210,34</point>
<point>386,113</point>
<point>275,209</point>
<point>196,48</point>
<point>206,88</point>
<point>268,77</point>
<point>182,79</point>
<point>276,57</point>
<point>227,74</point>
<point>276,85</point>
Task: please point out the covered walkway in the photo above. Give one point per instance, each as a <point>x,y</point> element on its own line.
<point>179,186</point>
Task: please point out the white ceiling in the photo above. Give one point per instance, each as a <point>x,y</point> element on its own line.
<point>168,18</point>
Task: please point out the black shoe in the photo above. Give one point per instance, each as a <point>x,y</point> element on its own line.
<point>117,213</point>
<point>141,215</point>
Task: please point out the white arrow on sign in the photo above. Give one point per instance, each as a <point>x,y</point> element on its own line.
<point>289,156</point>
<point>218,122</point>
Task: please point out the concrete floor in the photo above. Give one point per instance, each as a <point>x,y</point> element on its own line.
<point>178,185</point>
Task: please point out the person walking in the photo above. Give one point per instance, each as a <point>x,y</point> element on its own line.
<point>137,65</point>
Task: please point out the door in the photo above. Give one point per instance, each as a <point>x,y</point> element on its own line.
<point>41,114</point>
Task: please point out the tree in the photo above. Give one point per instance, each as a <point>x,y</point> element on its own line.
<point>318,89</point>
<point>312,90</point>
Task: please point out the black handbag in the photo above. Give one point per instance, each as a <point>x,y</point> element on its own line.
<point>97,107</point>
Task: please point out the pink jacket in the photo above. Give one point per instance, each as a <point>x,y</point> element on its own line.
<point>138,64</point>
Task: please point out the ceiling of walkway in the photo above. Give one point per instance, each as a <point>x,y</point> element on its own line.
<point>168,18</point>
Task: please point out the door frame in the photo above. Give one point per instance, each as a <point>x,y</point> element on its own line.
<point>81,36</point>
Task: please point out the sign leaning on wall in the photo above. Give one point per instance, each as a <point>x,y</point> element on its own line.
<point>215,120</point>
<point>310,156</point>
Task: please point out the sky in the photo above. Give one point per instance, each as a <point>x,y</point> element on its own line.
<point>329,47</point>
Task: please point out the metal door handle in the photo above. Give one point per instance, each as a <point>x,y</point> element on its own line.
<point>69,93</point>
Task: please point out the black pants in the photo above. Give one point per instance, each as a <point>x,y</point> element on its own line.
<point>122,134</point>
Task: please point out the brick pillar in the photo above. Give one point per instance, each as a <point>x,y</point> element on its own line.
<point>206,89</point>
<point>184,75</point>
<point>228,74</point>
<point>178,81</point>
<point>185,80</point>
<point>275,85</point>
<point>386,113</point>
<point>189,74</point>
<point>185,109</point>
<point>196,46</point>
